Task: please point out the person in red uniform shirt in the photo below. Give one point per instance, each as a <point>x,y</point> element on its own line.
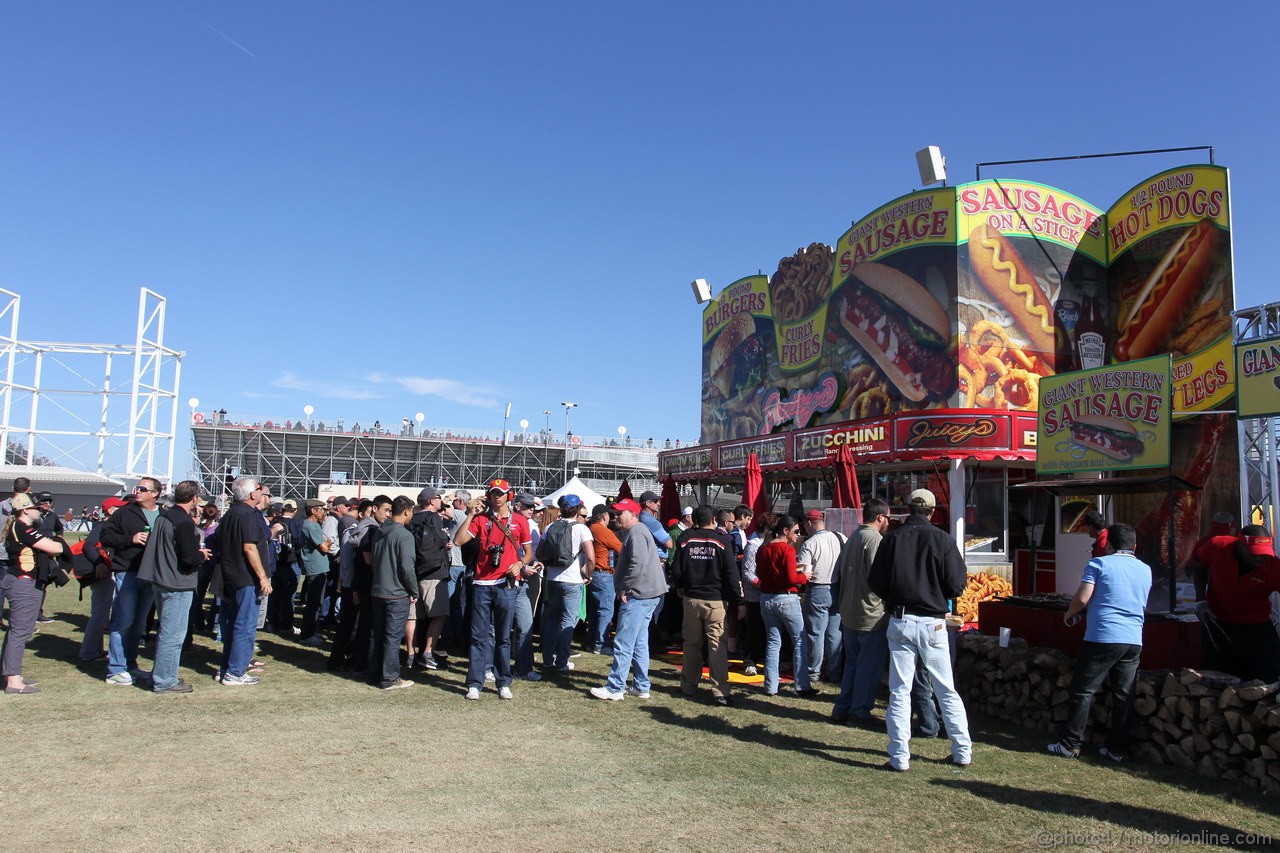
<point>1234,577</point>
<point>780,581</point>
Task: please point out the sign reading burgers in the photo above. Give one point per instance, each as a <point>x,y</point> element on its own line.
<point>738,360</point>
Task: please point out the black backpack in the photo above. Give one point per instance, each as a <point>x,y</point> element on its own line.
<point>556,547</point>
<point>431,543</point>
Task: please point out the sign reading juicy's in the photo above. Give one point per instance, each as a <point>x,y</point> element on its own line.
<point>902,327</point>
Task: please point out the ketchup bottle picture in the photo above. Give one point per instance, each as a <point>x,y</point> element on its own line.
<point>1091,330</point>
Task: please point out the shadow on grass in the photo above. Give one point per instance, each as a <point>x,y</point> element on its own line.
<point>1145,821</point>
<point>758,734</point>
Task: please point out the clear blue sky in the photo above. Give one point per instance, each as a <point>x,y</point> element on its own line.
<point>384,208</point>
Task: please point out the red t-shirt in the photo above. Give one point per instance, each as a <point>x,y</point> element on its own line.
<point>1100,544</point>
<point>1235,598</point>
<point>776,568</point>
<point>492,530</point>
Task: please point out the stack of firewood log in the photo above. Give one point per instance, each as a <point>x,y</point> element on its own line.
<point>1207,721</point>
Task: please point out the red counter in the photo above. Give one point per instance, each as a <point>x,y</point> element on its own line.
<point>1165,645</point>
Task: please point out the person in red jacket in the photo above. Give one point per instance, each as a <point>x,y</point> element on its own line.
<point>1235,576</point>
<point>779,582</point>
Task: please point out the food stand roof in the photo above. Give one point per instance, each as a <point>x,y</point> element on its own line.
<point>1111,486</point>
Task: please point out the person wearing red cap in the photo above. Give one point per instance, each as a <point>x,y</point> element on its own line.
<point>504,558</point>
<point>95,572</point>
<point>1234,578</point>
<point>641,585</point>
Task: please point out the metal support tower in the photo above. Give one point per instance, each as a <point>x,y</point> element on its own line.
<point>1259,474</point>
<point>66,392</point>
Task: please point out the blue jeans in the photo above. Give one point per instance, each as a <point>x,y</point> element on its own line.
<point>923,637</point>
<point>389,618</point>
<point>866,653</point>
<point>821,630</point>
<point>782,610</point>
<point>600,608</point>
<point>238,617</point>
<point>453,636</point>
<point>128,616</point>
<point>492,610</point>
<point>631,644</point>
<point>1094,663</point>
<point>526,603</point>
<point>922,702</point>
<point>173,608</point>
<point>559,618</point>
<point>102,593</point>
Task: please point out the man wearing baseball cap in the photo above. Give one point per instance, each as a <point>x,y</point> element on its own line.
<point>641,585</point>
<point>503,560</point>
<point>917,569</point>
<point>818,558</point>
<point>1234,577</point>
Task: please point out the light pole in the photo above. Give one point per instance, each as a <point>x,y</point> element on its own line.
<point>505,417</point>
<point>419,417</point>
<point>194,403</point>
<point>621,432</point>
<point>308,410</point>
<point>524,428</point>
<point>546,436</point>
<point>567,406</point>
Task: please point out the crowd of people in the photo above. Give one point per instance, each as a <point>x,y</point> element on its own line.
<point>402,583</point>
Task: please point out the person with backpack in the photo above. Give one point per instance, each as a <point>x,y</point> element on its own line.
<point>567,551</point>
<point>432,559</point>
<point>284,580</point>
<point>93,570</point>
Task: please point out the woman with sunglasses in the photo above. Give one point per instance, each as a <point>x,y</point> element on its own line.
<point>780,583</point>
<point>23,587</point>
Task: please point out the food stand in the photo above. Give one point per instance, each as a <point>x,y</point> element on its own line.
<point>929,337</point>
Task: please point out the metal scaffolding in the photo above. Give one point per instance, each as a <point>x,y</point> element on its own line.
<point>296,461</point>
<point>66,393</point>
<point>1259,474</point>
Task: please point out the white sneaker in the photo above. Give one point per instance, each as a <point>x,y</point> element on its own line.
<point>122,679</point>
<point>749,669</point>
<point>488,676</point>
<point>566,668</point>
<point>237,680</point>
<point>505,693</point>
<point>639,694</point>
<point>473,693</point>
<point>606,693</point>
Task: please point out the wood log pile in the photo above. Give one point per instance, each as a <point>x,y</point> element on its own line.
<point>1200,720</point>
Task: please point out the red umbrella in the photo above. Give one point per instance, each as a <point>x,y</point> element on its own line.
<point>624,491</point>
<point>670,506</point>
<point>847,494</point>
<point>753,491</point>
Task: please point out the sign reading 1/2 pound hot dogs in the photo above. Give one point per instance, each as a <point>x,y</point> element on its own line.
<point>1110,419</point>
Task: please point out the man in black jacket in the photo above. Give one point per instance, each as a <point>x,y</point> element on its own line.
<point>916,570</point>
<point>126,533</point>
<point>431,565</point>
<point>171,563</point>
<point>704,573</point>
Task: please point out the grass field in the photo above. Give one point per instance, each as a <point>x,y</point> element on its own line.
<point>309,760</point>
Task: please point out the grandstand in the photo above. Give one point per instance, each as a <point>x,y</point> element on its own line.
<point>297,459</point>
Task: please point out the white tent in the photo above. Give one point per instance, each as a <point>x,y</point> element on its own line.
<point>575,486</point>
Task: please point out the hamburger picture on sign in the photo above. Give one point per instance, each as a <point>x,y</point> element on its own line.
<point>738,360</point>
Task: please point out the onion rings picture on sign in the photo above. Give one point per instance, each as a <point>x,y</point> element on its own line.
<point>801,284</point>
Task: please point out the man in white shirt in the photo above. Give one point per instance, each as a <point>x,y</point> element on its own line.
<point>818,558</point>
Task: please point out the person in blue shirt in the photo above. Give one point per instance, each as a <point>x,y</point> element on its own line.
<point>1114,590</point>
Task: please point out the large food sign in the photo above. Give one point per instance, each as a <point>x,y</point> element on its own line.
<point>972,297</point>
<point>1108,419</point>
<point>1258,372</point>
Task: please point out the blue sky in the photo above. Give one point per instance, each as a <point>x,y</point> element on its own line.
<point>379,209</point>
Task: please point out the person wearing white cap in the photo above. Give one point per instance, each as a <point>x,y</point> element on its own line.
<point>916,570</point>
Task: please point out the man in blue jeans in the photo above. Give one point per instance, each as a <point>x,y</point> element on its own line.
<point>863,623</point>
<point>242,576</point>
<point>1114,588</point>
<point>917,569</point>
<point>641,586</point>
<point>818,558</point>
<point>171,563</point>
<point>126,533</point>
<point>395,591</point>
<point>504,558</point>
